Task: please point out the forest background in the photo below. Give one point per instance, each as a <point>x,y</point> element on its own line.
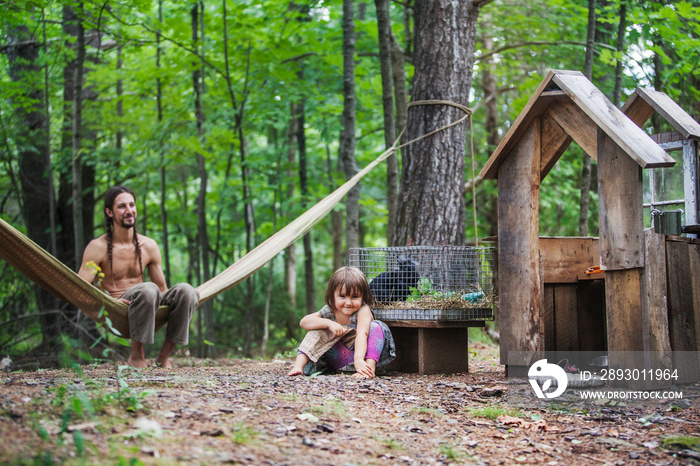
<point>228,119</point>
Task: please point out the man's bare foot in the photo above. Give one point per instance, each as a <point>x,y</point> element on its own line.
<point>137,362</point>
<point>165,364</point>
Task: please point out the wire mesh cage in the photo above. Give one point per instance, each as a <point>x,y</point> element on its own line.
<point>429,282</point>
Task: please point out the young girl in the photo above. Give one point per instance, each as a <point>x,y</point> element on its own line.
<point>344,333</point>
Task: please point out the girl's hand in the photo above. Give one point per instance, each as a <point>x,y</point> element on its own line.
<point>336,329</point>
<point>363,369</point>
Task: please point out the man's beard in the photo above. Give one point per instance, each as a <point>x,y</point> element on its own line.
<point>126,225</point>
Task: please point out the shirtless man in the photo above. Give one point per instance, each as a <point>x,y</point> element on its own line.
<point>123,255</point>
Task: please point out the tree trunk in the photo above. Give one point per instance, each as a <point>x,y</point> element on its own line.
<point>492,140</point>
<point>304,187</point>
<point>163,178</point>
<point>290,257</point>
<point>431,203</point>
<point>79,238</point>
<point>202,233</point>
<point>586,166</point>
<point>392,163</point>
<point>53,249</point>
<point>336,217</point>
<point>622,27</point>
<point>35,183</point>
<point>491,120</point>
<point>346,151</point>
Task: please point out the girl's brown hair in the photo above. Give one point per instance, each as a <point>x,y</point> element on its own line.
<point>353,280</point>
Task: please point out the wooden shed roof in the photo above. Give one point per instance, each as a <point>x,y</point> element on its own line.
<point>643,102</point>
<point>572,108</point>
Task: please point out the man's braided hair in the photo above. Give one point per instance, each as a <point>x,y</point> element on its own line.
<point>110,198</point>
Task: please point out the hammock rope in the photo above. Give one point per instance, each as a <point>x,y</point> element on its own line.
<point>55,277</point>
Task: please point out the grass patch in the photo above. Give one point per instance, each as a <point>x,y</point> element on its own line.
<point>242,434</point>
<point>389,443</point>
<point>450,453</point>
<point>425,411</point>
<point>492,412</point>
<point>681,442</point>
<point>335,408</point>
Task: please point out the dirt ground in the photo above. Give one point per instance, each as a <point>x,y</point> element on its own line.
<point>251,412</point>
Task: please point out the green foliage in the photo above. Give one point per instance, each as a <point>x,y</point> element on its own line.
<point>269,57</point>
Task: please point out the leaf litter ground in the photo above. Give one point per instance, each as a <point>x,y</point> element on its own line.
<point>250,412</point>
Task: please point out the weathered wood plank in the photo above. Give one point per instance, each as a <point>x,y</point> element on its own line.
<point>623,303</point>
<point>694,266</point>
<point>518,256</point>
<point>554,142</point>
<point>681,316</point>
<point>665,138</point>
<point>576,124</point>
<point>630,137</point>
<point>624,310</point>
<point>443,350</point>
<point>565,258</point>
<point>655,332</point>
<point>637,109</point>
<point>620,212</point>
<point>667,108</point>
<point>566,317</point>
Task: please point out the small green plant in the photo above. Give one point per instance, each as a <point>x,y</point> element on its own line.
<point>425,290</point>
<point>492,412</point>
<point>242,434</point>
<point>330,408</point>
<point>425,411</point>
<point>389,443</point>
<point>448,450</point>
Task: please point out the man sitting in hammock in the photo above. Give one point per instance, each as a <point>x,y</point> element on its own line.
<point>122,255</point>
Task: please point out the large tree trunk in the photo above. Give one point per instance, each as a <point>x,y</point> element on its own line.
<point>431,204</point>
<point>586,166</point>
<point>77,189</point>
<point>33,170</point>
<point>202,233</point>
<point>290,256</point>
<point>392,163</point>
<point>163,178</point>
<point>346,151</point>
<point>304,187</point>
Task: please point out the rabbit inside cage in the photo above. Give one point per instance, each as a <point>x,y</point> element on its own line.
<point>421,278</point>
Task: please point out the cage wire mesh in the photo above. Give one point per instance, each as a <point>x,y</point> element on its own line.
<point>429,282</point>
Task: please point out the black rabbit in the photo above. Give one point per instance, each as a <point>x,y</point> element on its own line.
<point>395,285</point>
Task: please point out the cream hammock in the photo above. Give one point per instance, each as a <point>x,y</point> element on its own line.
<point>55,277</point>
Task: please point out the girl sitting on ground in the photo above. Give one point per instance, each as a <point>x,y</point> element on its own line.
<point>344,334</point>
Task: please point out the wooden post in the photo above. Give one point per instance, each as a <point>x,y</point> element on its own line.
<point>655,334</point>
<point>521,309</point>
<point>620,207</point>
<point>621,250</point>
<point>683,258</point>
